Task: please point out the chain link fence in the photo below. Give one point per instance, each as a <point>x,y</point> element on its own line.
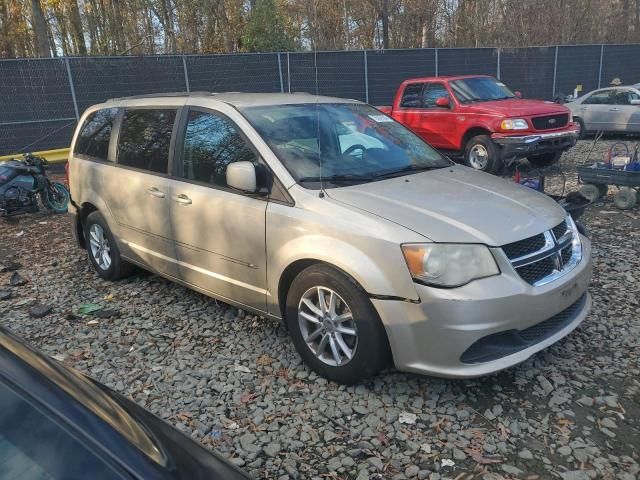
<point>41,99</point>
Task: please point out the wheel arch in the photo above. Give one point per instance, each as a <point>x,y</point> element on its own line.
<point>472,132</point>
<point>83,212</point>
<point>298,266</point>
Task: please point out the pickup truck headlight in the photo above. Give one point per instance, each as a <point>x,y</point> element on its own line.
<point>514,124</point>
<point>449,264</point>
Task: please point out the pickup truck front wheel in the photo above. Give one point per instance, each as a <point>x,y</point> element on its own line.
<point>481,153</point>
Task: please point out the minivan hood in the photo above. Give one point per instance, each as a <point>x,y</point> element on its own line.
<point>518,107</point>
<point>456,204</point>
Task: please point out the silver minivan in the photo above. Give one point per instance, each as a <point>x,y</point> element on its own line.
<point>372,247</point>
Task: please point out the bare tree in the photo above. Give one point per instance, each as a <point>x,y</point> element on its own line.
<point>40,29</point>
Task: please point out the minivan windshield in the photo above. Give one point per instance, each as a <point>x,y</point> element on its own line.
<point>341,143</point>
<point>480,89</point>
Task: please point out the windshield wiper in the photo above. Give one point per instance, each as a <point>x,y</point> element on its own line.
<point>337,178</point>
<point>408,169</point>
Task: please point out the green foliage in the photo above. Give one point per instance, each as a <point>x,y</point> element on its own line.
<point>265,30</point>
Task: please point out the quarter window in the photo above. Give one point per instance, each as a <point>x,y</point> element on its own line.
<point>211,143</point>
<point>95,135</point>
<point>411,98</point>
<point>145,136</point>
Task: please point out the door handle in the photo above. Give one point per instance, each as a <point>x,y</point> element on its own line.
<point>182,199</point>
<point>613,109</point>
<point>154,192</point>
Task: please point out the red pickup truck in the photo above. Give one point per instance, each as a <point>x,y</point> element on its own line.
<point>478,119</point>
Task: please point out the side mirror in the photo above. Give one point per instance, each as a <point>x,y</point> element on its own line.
<point>518,93</point>
<point>635,102</point>
<point>442,102</point>
<point>242,176</point>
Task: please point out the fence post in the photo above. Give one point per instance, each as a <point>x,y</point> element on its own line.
<point>498,64</point>
<point>288,73</point>
<point>186,73</point>
<point>72,88</point>
<point>555,72</point>
<point>366,77</point>
<point>280,73</point>
<point>436,60</point>
<point>600,69</point>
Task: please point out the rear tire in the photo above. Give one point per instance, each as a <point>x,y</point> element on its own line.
<point>625,198</point>
<point>325,344</point>
<point>593,192</point>
<point>481,153</point>
<point>103,250</point>
<point>544,159</point>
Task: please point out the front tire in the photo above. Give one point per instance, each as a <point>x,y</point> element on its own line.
<point>103,250</point>
<point>334,326</point>
<point>481,153</point>
<point>583,131</point>
<point>544,159</point>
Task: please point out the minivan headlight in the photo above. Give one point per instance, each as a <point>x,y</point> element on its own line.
<point>514,124</point>
<point>449,264</point>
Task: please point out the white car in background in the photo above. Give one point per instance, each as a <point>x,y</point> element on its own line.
<point>611,109</point>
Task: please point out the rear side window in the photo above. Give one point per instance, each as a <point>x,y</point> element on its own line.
<point>211,143</point>
<point>412,96</point>
<point>95,135</point>
<point>145,136</point>
<point>600,98</point>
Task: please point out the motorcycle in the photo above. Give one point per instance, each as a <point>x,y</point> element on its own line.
<point>22,181</point>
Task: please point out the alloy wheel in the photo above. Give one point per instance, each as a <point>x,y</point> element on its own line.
<point>100,248</point>
<point>327,326</point>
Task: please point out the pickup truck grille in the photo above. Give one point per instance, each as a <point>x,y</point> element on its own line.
<point>549,122</point>
<point>543,257</point>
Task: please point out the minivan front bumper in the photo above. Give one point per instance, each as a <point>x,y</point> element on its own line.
<point>487,325</point>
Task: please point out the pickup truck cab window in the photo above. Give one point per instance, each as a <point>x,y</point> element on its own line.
<point>145,136</point>
<point>211,143</point>
<point>411,98</point>
<point>341,143</point>
<point>433,92</point>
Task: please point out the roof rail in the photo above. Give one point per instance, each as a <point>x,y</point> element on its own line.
<point>161,95</point>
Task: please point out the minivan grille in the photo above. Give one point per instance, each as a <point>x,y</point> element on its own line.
<point>549,122</point>
<point>524,247</point>
<point>539,257</point>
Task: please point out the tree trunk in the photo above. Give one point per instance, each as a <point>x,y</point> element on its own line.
<point>76,28</point>
<point>384,18</point>
<point>40,29</point>
<point>6,44</point>
<point>626,14</point>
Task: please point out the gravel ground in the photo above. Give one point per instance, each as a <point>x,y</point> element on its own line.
<point>234,382</point>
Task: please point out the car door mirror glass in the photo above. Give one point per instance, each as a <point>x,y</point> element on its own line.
<point>442,102</point>
<point>242,176</point>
